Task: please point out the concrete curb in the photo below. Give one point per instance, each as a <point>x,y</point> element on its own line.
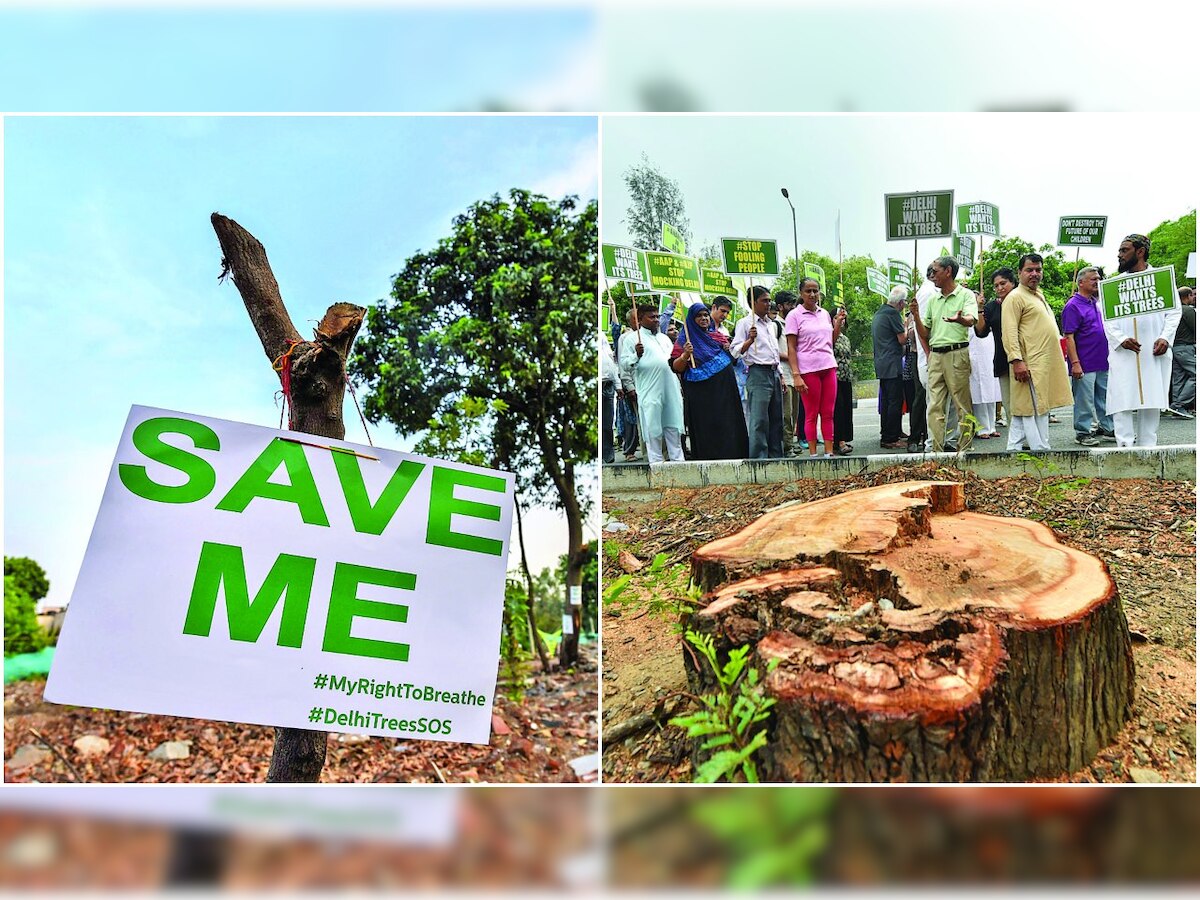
<point>1176,463</point>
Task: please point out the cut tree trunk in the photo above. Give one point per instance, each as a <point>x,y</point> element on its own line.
<point>912,640</point>
<point>318,388</point>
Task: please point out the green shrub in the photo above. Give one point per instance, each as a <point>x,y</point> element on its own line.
<point>22,633</point>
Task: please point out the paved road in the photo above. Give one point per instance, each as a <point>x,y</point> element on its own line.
<point>1062,436</point>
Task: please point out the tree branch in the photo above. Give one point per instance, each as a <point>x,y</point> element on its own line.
<point>245,259</point>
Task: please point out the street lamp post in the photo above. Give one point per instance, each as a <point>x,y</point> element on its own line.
<point>795,239</point>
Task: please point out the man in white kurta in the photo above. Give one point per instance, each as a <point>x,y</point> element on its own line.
<point>660,400</point>
<point>1135,406</point>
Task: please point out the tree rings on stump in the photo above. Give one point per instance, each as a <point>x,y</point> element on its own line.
<point>916,641</point>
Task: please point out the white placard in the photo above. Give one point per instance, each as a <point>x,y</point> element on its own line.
<point>408,815</point>
<point>568,626</point>
<point>576,593</point>
<point>1191,265</point>
<point>243,574</point>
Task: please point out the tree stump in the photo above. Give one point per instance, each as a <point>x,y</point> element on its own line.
<point>916,641</point>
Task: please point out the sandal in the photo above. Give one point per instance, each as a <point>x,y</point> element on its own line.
<point>845,449</point>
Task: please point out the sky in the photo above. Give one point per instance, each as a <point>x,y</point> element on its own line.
<point>322,57</point>
<point>631,55</point>
<point>110,274</point>
<point>1138,170</point>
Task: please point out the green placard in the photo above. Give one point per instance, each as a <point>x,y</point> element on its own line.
<point>605,322</point>
<point>714,281</point>
<point>964,251</point>
<point>924,214</point>
<point>749,256</point>
<point>837,293</point>
<point>1138,294</point>
<point>1082,231</point>
<point>812,270</point>
<point>672,272</point>
<point>979,218</point>
<point>900,272</point>
<point>877,282</point>
<point>625,264</point>
<point>672,240</point>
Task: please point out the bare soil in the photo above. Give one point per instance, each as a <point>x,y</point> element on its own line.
<point>533,740</point>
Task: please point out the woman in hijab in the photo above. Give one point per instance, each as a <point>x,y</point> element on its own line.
<point>715,424</point>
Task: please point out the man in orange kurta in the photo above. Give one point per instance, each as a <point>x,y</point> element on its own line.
<point>1032,343</point>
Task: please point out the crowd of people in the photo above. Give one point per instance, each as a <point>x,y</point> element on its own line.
<point>781,383</point>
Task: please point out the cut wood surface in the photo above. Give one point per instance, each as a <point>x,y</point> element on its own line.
<point>916,641</point>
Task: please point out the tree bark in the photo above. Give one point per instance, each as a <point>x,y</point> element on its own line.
<point>916,641</point>
<point>534,635</point>
<point>568,651</point>
<point>318,387</point>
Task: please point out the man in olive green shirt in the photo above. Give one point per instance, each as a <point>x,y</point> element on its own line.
<point>951,312</point>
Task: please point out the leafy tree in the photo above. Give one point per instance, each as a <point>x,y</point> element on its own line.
<point>1170,244</point>
<point>22,633</point>
<point>1057,270</point>
<point>29,576</point>
<point>654,199</point>
<point>487,350</point>
<point>860,302</point>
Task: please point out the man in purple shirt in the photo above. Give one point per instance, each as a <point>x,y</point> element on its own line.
<point>1087,353</point>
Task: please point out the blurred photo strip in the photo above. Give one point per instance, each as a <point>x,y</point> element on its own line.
<point>228,838</point>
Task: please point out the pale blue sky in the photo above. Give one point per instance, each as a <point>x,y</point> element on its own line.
<point>276,59</point>
<point>110,279</point>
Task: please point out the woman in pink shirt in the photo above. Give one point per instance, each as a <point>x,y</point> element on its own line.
<point>810,336</point>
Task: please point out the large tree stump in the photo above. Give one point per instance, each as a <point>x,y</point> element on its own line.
<point>916,641</point>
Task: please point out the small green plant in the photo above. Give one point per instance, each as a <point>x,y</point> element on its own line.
<point>613,592</point>
<point>968,427</point>
<point>729,715</point>
<point>772,836</point>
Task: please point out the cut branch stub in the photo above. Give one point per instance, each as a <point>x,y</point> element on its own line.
<point>916,641</point>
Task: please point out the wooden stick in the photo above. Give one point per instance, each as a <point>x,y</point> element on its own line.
<point>1075,273</point>
<point>688,339</point>
<point>1141,396</point>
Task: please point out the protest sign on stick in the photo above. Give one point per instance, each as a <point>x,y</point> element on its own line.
<point>1134,294</point>
<point>749,256</point>
<point>978,218</point>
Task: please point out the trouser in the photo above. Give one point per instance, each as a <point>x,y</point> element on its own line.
<point>1183,376</point>
<point>1034,430</point>
<point>1136,427</point>
<point>1006,393</point>
<point>891,414</point>
<point>654,449</point>
<point>819,401</point>
<point>918,431</point>
<point>629,435</point>
<point>949,377</point>
<point>791,405</point>
<point>986,414</point>
<point>608,413</point>
<point>764,404</point>
<point>1089,392</point>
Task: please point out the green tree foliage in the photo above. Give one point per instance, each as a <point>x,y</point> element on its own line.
<point>861,304</point>
<point>487,349</point>
<point>1170,244</point>
<point>653,199</point>
<point>1057,270</point>
<point>22,633</point>
<point>29,576</point>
